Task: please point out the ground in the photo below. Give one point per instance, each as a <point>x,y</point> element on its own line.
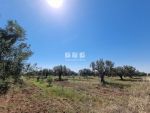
<point>78,95</point>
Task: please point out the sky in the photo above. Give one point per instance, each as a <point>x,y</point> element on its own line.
<point>117,30</point>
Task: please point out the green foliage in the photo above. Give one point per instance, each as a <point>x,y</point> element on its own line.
<point>129,71</point>
<point>120,72</point>
<point>85,72</point>
<point>61,70</point>
<point>108,67</point>
<point>49,81</point>
<point>38,79</point>
<point>14,51</point>
<point>3,86</point>
<point>60,91</point>
<point>102,67</point>
<point>124,71</point>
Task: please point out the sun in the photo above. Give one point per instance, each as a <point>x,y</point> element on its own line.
<point>55,3</point>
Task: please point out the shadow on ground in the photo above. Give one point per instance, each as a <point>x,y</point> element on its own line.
<point>131,79</point>
<point>117,85</point>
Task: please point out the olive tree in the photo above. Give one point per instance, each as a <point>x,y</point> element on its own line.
<point>60,71</point>
<point>120,72</point>
<point>109,67</point>
<point>14,51</point>
<point>129,71</point>
<point>85,72</point>
<point>102,67</point>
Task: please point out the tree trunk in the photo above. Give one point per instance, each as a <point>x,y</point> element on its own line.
<point>60,77</point>
<point>102,78</point>
<point>121,77</point>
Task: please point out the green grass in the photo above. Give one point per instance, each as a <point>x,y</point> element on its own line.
<point>59,91</point>
<point>83,96</point>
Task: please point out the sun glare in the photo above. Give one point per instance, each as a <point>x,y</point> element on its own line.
<point>55,3</point>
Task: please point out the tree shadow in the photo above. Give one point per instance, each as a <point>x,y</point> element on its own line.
<point>131,79</point>
<point>116,85</point>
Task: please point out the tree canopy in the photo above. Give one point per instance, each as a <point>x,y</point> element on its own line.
<point>102,67</point>
<point>14,50</point>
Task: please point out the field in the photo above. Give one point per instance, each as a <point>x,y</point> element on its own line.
<point>78,95</point>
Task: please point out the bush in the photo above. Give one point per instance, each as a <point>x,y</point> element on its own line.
<point>49,81</point>
<point>3,87</point>
<point>38,79</point>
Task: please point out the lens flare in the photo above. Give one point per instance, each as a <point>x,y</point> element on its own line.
<point>55,3</point>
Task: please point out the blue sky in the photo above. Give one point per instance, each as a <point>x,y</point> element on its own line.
<point>118,30</point>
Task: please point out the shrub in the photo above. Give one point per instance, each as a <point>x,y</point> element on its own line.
<point>38,79</point>
<point>3,87</point>
<point>49,81</point>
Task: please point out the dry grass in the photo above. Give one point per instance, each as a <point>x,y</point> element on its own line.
<point>79,96</point>
<point>139,100</point>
